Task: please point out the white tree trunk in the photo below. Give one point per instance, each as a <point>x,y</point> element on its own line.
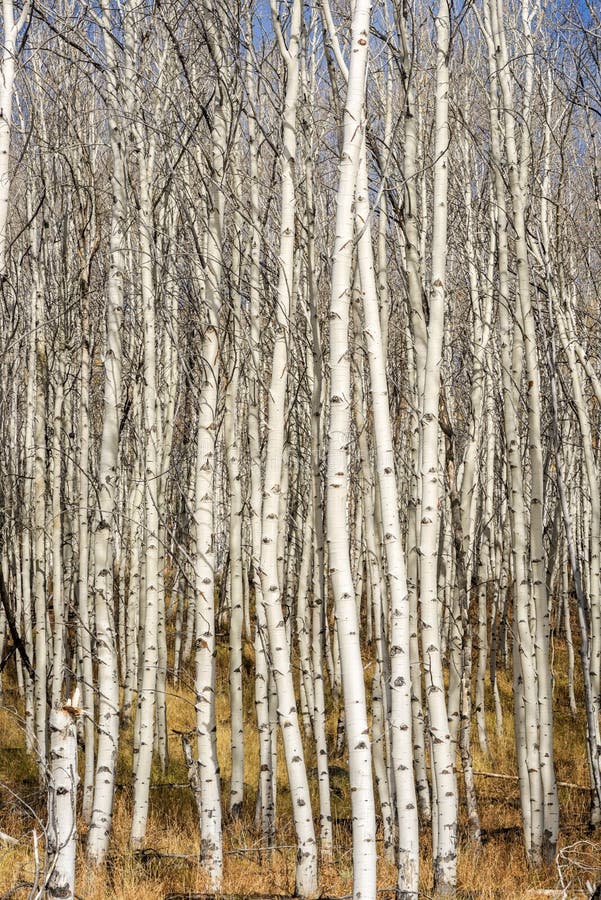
<point>106,644</point>
<point>39,510</point>
<point>150,598</point>
<point>235,543</point>
<point>279,649</point>
<point>204,513</point>
<point>396,576</point>
<point>10,30</point>
<point>84,643</point>
<point>62,802</point>
<point>337,529</point>
<point>444,823</point>
<point>58,598</point>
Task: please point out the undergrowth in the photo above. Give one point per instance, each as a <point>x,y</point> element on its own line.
<point>169,862</point>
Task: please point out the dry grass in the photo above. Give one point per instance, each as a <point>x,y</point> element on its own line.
<point>498,869</point>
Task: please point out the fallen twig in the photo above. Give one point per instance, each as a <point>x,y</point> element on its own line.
<point>566,784</point>
<point>7,838</point>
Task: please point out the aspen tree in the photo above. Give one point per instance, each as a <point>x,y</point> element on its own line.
<point>567,340</point>
<point>444,823</point>
<point>484,403</point>
<point>235,536</point>
<point>133,592</point>
<point>106,647</point>
<point>481,307</point>
<point>337,533</point>
<point>302,623</point>
<point>418,724</point>
<point>271,585</point>
<point>58,599</point>
<point>416,348</point>
<point>375,588</point>
<point>10,30</point>
<point>572,352</point>
<point>166,413</point>
<point>464,663</point>
<point>517,174</point>
<point>39,503</point>
<point>538,719</point>
<point>62,800</point>
<point>204,512</point>
<point>149,658</point>
<point>396,577</point>
<point>525,690</point>
<point>316,381</point>
<point>266,773</point>
<point>26,544</point>
<point>84,644</point>
<point>315,372</point>
<point>592,718</point>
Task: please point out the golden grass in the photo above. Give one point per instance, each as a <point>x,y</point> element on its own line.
<point>496,870</point>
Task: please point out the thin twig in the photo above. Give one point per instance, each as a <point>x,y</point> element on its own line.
<point>567,784</point>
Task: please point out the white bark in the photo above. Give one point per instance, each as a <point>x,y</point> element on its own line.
<point>10,28</point>
<point>337,530</point>
<point>315,374</point>
<point>39,509</point>
<point>150,655</point>
<point>279,649</point>
<point>62,802</point>
<point>266,773</point>
<point>84,644</point>
<point>444,823</point>
<point>396,576</point>
<point>211,830</point>
<point>58,599</point>
<point>106,644</point>
<point>235,543</point>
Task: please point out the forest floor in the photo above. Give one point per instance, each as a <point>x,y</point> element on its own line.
<point>169,863</point>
